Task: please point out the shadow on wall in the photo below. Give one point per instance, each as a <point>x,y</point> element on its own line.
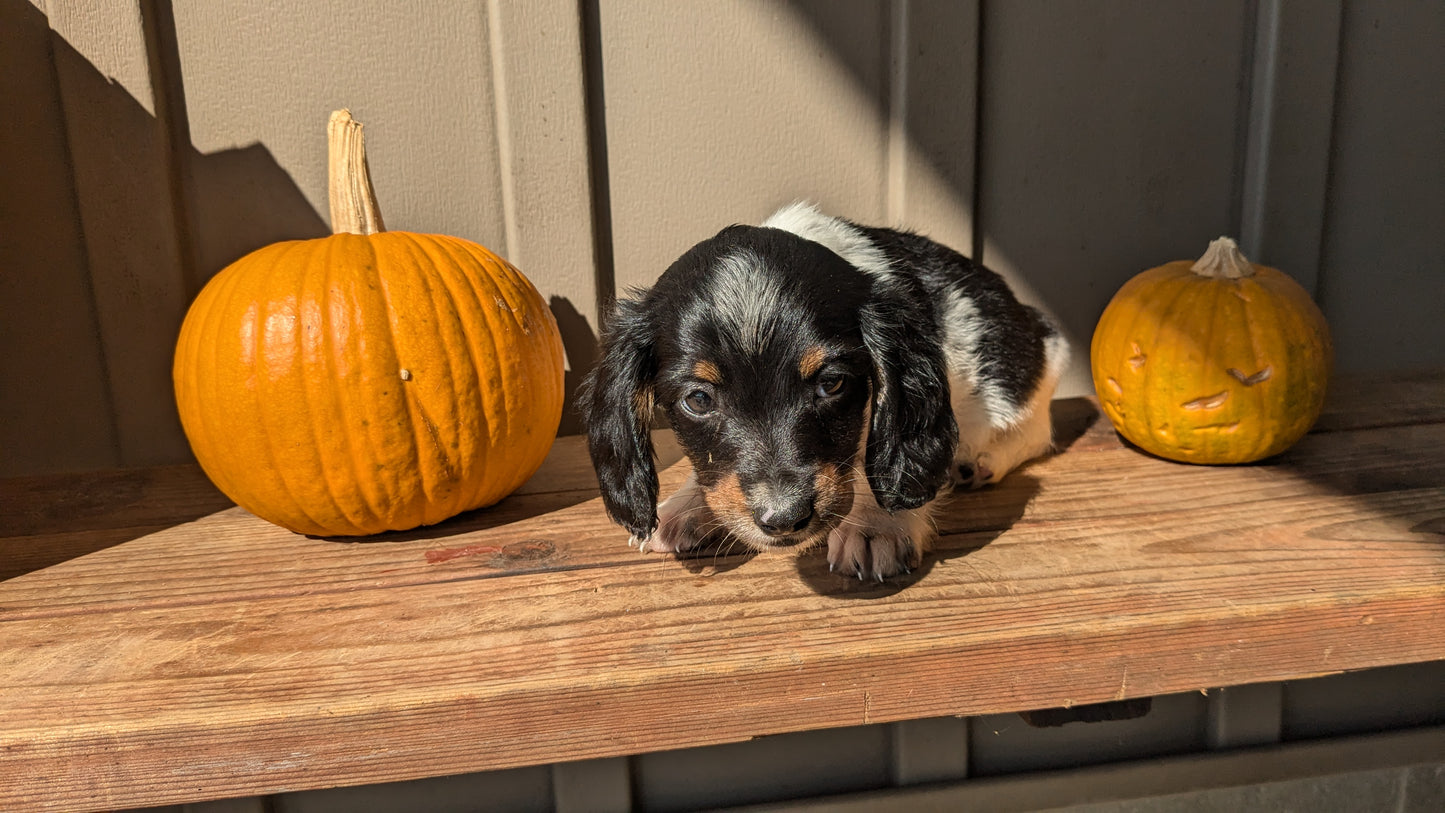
<point>992,97</point>
<point>582,349</point>
<point>110,224</point>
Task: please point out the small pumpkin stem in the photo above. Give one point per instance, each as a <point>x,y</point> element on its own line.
<point>353,201</point>
<point>1223,259</point>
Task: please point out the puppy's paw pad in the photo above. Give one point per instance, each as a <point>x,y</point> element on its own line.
<point>870,554</point>
<point>975,475</point>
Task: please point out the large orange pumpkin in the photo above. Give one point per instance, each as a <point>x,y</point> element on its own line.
<point>370,380</point>
<point>1216,361</point>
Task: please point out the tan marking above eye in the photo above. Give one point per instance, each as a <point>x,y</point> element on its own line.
<point>812,360</point>
<point>707,371</point>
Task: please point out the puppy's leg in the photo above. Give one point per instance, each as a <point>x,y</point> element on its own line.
<point>989,450</point>
<point>1012,447</point>
<point>972,462</point>
<point>874,544</point>
<point>682,521</point>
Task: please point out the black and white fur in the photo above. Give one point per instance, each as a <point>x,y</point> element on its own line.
<point>827,380</point>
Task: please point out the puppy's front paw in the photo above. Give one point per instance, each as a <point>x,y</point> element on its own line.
<point>682,523</point>
<point>976,474</point>
<point>675,534</point>
<point>873,553</point>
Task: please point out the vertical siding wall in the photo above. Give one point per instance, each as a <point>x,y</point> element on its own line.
<point>145,144</point>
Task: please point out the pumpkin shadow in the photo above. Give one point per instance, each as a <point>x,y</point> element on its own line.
<point>564,480</point>
<point>511,510</point>
<point>582,349</point>
<point>966,521</point>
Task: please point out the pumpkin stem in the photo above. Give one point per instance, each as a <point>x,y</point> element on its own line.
<point>353,201</point>
<point>1223,259</point>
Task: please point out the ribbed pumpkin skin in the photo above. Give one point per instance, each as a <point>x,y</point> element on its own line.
<point>1211,370</point>
<point>290,384</point>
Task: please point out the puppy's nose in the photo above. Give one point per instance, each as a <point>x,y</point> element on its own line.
<point>784,517</point>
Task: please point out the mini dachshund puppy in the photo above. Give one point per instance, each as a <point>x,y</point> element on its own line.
<point>828,381</point>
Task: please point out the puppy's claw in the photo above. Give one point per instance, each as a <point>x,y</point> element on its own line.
<point>880,551</point>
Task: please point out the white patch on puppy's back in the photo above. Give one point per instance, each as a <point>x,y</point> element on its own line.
<point>976,400</point>
<point>834,233</point>
<point>746,299</point>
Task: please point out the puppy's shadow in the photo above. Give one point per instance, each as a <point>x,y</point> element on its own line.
<point>719,556</point>
<point>966,520</point>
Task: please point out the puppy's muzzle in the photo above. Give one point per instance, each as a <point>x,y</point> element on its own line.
<point>781,502</point>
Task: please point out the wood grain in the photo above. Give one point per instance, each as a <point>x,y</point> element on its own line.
<point>224,657</point>
<point>45,520</point>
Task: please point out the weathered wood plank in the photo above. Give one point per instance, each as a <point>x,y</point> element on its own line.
<point>231,555</point>
<point>225,657</point>
<point>1402,397</point>
<point>299,690</point>
<point>46,520</point>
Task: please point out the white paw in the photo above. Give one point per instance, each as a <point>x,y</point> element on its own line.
<point>677,534</point>
<point>683,523</point>
<point>873,544</point>
<point>975,473</point>
<point>871,555</point>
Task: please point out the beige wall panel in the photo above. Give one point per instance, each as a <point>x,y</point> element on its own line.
<point>1287,155</point>
<point>54,403</point>
<point>111,36</point>
<point>120,157</point>
<point>260,80</point>
<point>1109,145</point>
<point>932,170</point>
<point>536,51</point>
<point>927,104</point>
<point>546,192</point>
<point>1383,274</point>
<point>719,112</point>
<point>476,126</point>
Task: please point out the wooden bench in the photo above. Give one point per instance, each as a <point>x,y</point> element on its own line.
<point>214,655</point>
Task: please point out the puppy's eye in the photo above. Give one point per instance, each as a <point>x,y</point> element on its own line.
<point>697,402</point>
<point>831,384</point>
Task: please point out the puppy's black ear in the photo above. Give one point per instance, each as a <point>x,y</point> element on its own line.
<point>913,434</point>
<point>616,403</point>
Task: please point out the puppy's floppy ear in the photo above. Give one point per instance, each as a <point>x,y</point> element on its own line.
<point>616,402</point>
<point>913,434</point>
